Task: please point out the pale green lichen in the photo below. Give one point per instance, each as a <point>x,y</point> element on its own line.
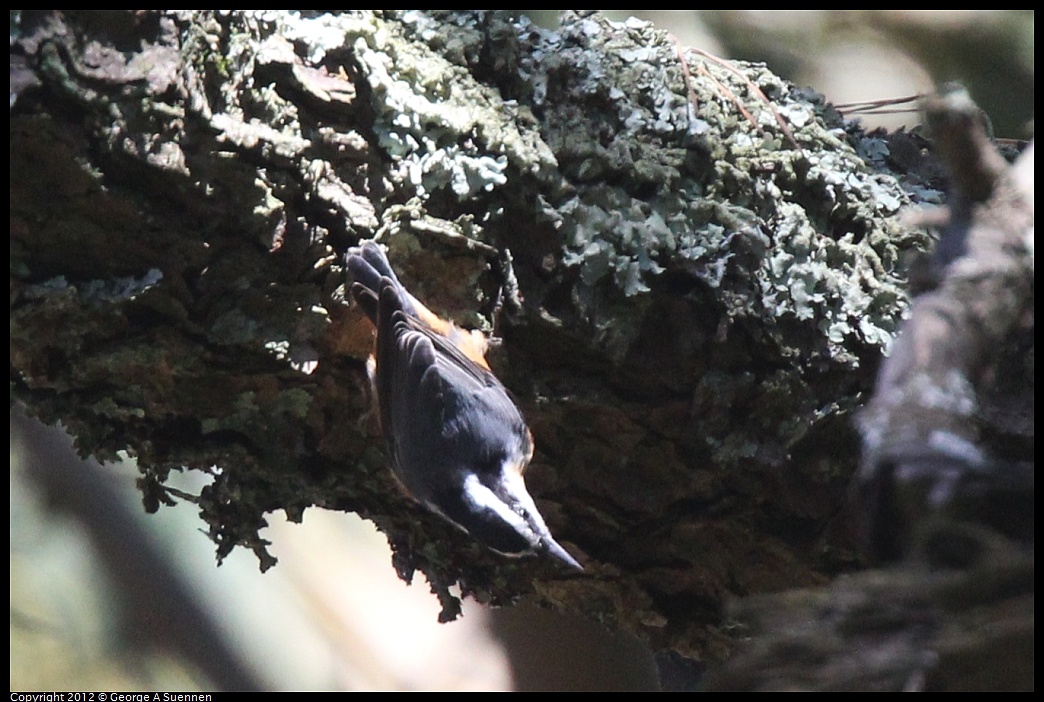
<point>96,292</point>
<point>661,180</point>
<point>442,128</point>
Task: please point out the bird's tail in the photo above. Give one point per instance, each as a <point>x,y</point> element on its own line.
<point>367,265</point>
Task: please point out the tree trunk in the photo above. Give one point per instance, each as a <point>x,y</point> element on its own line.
<point>694,268</point>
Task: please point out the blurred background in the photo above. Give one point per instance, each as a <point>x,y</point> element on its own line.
<point>861,55</point>
<point>105,597</point>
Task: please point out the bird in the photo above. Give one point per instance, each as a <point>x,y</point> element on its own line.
<point>457,442</point>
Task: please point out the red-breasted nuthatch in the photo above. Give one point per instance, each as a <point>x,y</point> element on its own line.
<point>457,442</point>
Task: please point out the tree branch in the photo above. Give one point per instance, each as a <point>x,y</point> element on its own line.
<point>699,303</point>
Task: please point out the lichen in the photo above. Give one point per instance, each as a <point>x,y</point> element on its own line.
<point>444,130</point>
<point>794,224</point>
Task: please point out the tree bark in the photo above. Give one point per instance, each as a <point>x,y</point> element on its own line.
<point>693,267</point>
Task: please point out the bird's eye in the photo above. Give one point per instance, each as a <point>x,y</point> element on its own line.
<point>493,464</point>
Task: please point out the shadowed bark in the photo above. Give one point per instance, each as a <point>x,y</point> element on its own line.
<point>946,481</point>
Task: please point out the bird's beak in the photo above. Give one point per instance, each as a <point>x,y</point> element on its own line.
<point>552,547</point>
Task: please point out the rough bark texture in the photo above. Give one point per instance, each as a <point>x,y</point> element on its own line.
<point>693,281</point>
<point>946,480</point>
